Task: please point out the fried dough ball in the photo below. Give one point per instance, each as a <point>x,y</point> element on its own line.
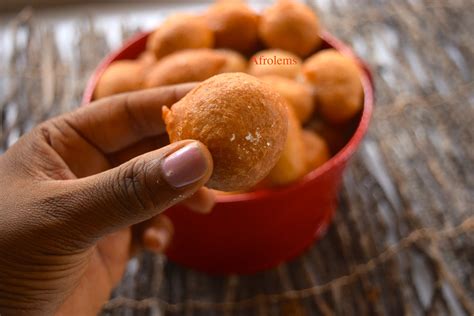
<point>336,136</point>
<point>262,185</point>
<point>299,95</point>
<point>240,119</point>
<point>181,31</point>
<point>185,66</point>
<point>230,1</point>
<point>317,150</point>
<point>338,89</point>
<point>235,62</point>
<point>275,62</point>
<point>291,26</point>
<point>292,164</point>
<point>234,24</point>
<point>121,76</point>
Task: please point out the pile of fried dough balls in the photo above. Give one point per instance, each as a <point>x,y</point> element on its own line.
<point>272,105</point>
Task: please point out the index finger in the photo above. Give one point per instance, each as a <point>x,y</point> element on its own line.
<point>116,122</point>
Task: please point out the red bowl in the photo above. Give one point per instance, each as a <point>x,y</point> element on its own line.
<point>249,232</point>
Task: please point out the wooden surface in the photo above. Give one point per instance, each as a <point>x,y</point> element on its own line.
<point>402,241</point>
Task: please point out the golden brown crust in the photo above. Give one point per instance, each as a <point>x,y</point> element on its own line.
<point>292,164</point>
<point>317,150</point>
<point>235,26</point>
<point>291,26</point>
<point>235,62</point>
<point>240,119</point>
<point>275,62</point>
<point>120,76</point>
<point>181,31</point>
<point>185,66</point>
<point>299,95</point>
<point>230,1</point>
<point>336,80</point>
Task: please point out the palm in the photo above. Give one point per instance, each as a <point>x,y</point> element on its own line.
<point>107,262</point>
<point>64,171</point>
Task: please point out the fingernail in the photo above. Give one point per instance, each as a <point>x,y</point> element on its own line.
<point>185,166</point>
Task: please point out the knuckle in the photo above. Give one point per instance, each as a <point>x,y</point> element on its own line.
<point>41,135</point>
<point>133,185</point>
<point>47,129</point>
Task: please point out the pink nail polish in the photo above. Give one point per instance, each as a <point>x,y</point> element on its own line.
<point>185,166</point>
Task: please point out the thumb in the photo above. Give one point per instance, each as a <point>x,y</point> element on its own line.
<point>138,189</point>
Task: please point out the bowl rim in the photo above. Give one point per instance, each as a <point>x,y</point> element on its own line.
<point>342,156</point>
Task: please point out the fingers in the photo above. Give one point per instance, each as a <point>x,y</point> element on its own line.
<point>112,124</point>
<point>202,201</point>
<point>89,139</point>
<point>137,190</point>
<point>157,233</point>
<point>143,146</point>
<point>153,235</point>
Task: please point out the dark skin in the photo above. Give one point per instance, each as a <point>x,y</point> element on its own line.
<point>82,193</point>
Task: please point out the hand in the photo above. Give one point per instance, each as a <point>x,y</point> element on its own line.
<point>70,194</point>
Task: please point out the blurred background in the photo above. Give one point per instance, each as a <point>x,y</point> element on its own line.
<point>402,241</point>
